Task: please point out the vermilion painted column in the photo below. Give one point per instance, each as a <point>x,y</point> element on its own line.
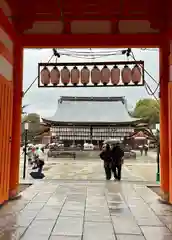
<point>164,127</point>
<point>16,125</point>
<point>170,123</point>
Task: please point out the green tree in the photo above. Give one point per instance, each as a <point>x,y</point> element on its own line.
<point>147,109</point>
<point>33,120</point>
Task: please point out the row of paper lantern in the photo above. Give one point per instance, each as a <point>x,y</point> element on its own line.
<point>104,76</point>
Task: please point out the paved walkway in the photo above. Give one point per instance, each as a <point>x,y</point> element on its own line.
<point>53,210</point>
<point>74,202</point>
<point>84,170</point>
<point>142,169</point>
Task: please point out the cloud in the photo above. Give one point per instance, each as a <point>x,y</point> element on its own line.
<point>44,101</point>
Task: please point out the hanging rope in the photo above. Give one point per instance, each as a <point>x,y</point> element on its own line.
<point>147,87</point>
<point>55,54</point>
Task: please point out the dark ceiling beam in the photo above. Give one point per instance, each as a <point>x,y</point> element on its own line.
<point>90,40</point>
<point>70,17</point>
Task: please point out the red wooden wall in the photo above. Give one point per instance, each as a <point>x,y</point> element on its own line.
<point>6,105</point>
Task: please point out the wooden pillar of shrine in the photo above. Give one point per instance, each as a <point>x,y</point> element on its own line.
<point>16,122</point>
<point>170,122</point>
<point>7,40</point>
<point>164,120</point>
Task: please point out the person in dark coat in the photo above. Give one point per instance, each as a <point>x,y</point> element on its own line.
<point>146,149</point>
<point>117,161</point>
<point>105,155</point>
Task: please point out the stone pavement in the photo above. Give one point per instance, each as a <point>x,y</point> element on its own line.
<point>68,169</point>
<point>151,156</point>
<point>54,210</point>
<point>145,170</point>
<point>84,170</point>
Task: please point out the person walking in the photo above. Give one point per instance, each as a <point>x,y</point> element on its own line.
<point>105,155</point>
<point>117,161</point>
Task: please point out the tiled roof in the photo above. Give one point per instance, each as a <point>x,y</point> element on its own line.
<point>91,110</point>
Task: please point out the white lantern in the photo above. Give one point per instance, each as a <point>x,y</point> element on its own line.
<point>45,76</point>
<point>105,75</point>
<point>115,75</point>
<point>65,76</point>
<point>136,74</point>
<point>55,76</point>
<point>95,75</point>
<point>85,75</point>
<point>75,76</point>
<point>26,126</point>
<point>126,75</point>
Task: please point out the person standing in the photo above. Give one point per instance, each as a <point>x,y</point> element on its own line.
<point>30,155</point>
<point>141,149</point>
<point>117,161</point>
<point>146,149</point>
<point>35,158</point>
<point>105,155</point>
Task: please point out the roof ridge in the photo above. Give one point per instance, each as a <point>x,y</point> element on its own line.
<point>91,98</point>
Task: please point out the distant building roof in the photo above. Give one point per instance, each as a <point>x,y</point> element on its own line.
<point>96,110</point>
<point>139,135</point>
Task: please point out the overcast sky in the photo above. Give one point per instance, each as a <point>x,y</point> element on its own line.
<point>44,101</point>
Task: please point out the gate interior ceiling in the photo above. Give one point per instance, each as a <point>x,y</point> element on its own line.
<point>34,18</point>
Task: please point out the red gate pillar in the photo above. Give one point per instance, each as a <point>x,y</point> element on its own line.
<point>164,127</point>
<point>170,123</point>
<point>16,124</point>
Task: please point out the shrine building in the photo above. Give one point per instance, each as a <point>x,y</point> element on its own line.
<point>91,119</point>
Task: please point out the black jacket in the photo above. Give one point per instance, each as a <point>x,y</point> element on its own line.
<point>106,156</point>
<point>117,155</point>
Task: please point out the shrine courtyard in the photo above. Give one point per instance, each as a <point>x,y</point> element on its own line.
<point>52,209</point>
<point>75,208</point>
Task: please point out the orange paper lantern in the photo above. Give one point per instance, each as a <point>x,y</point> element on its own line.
<point>95,75</point>
<point>65,76</point>
<point>105,75</point>
<point>136,74</point>
<point>75,76</point>
<point>85,75</point>
<point>45,76</point>
<point>126,75</point>
<point>115,75</point>
<point>55,76</point>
